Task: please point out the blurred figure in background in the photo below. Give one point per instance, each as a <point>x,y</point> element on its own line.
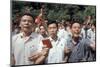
<point>62,33</point>
<point>43,31</point>
<point>91,32</point>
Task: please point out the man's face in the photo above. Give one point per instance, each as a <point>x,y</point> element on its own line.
<point>42,30</point>
<point>26,23</point>
<point>52,29</point>
<point>92,27</point>
<point>59,25</point>
<point>76,29</point>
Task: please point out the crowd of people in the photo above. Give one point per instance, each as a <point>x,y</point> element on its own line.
<point>39,41</point>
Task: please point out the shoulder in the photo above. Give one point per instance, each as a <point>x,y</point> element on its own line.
<point>62,40</point>
<point>16,36</point>
<point>35,35</point>
<point>89,30</point>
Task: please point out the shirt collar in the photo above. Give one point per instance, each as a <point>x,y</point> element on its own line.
<point>58,39</point>
<point>80,38</point>
<point>31,36</point>
<point>92,30</point>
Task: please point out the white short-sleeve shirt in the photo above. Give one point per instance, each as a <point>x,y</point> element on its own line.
<point>62,33</point>
<point>22,49</point>
<point>56,53</point>
<point>91,34</point>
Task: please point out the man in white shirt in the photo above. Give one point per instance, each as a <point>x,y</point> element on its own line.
<point>25,45</point>
<point>63,31</point>
<point>56,53</point>
<point>91,32</point>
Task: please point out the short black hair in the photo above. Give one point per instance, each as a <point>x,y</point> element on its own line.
<point>28,14</point>
<point>72,22</point>
<point>52,22</point>
<point>93,24</point>
<point>41,25</point>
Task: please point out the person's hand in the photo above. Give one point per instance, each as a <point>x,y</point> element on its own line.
<point>40,60</point>
<point>34,56</point>
<point>13,60</point>
<point>93,46</point>
<point>63,62</point>
<point>45,50</point>
<point>67,50</point>
<point>44,46</point>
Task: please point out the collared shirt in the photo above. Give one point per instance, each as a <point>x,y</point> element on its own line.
<point>62,33</point>
<point>23,48</point>
<point>91,34</point>
<point>83,32</point>
<point>78,51</point>
<point>91,54</point>
<point>56,53</point>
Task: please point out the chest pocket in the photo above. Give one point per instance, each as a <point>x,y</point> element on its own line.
<point>60,46</point>
<point>32,45</point>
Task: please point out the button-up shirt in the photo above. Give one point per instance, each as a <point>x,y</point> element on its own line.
<point>22,48</point>
<point>56,53</point>
<point>91,34</point>
<point>79,50</point>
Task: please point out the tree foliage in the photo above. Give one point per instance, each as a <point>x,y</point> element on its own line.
<point>54,11</point>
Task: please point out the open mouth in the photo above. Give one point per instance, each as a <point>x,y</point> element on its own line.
<point>26,26</point>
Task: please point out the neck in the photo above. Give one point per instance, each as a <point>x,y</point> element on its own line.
<point>44,35</point>
<point>76,39</point>
<point>93,30</point>
<point>25,34</point>
<point>54,37</point>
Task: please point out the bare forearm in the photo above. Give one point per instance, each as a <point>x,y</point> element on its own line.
<point>12,60</point>
<point>40,60</point>
<point>93,46</point>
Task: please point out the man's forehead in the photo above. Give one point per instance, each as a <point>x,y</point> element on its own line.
<point>76,24</point>
<point>53,24</point>
<point>26,17</point>
<point>41,26</point>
